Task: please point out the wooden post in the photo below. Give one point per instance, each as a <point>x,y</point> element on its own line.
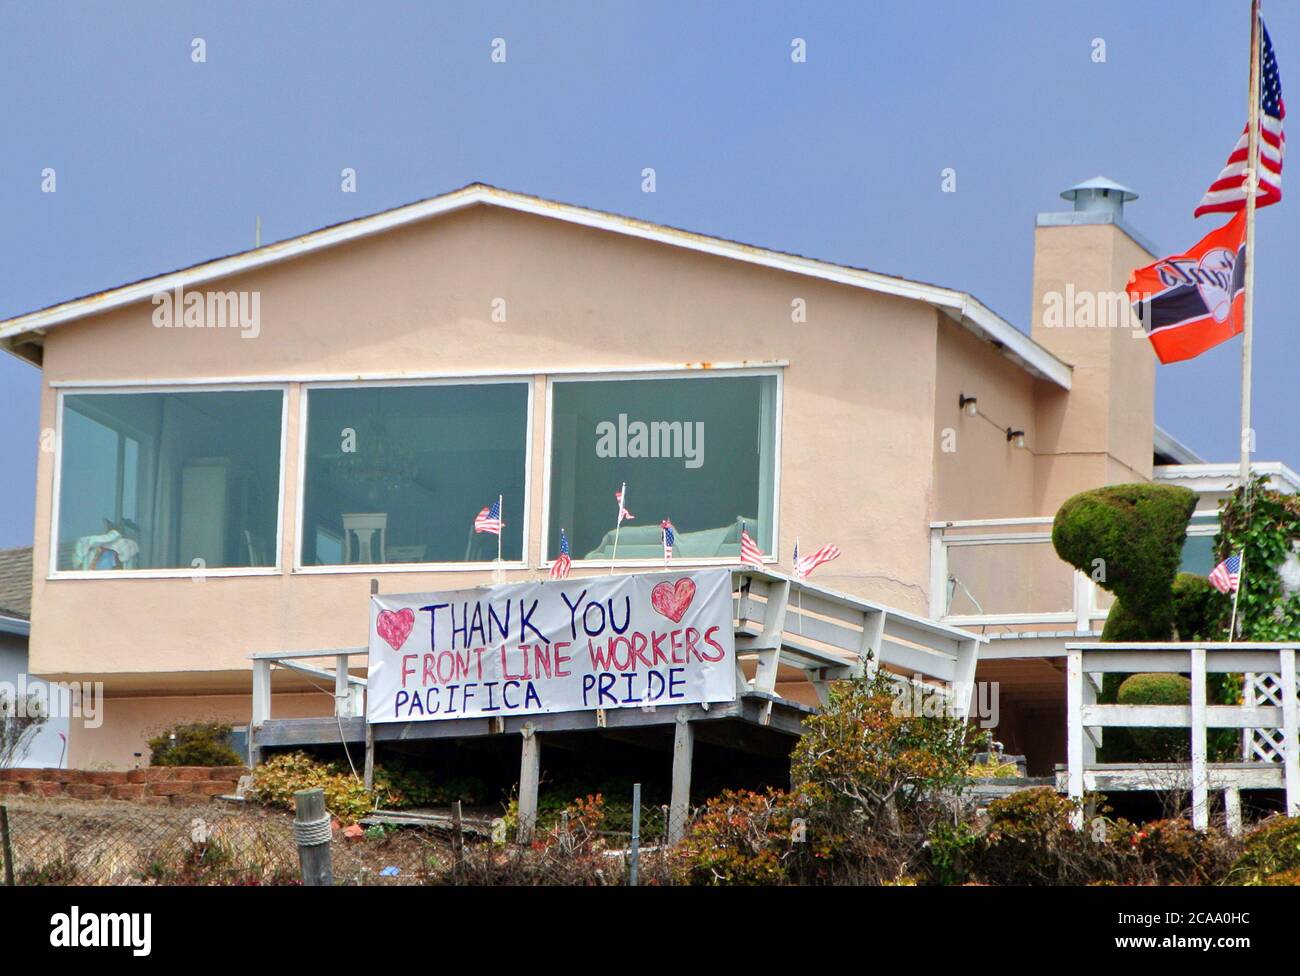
<point>769,642</point>
<point>457,843</point>
<point>1290,743</point>
<point>342,691</point>
<point>261,707</point>
<point>529,775</point>
<point>938,574</point>
<point>679,804</point>
<point>370,756</point>
<point>1200,765</point>
<point>1232,810</point>
<point>1074,731</point>
<point>311,832</point>
<point>370,729</point>
<point>963,683</point>
<point>6,846</point>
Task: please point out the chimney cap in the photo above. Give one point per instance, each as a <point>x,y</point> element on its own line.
<point>1097,187</point>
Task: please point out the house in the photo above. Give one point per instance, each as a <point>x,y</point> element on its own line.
<point>244,444</point>
<point>47,747</point>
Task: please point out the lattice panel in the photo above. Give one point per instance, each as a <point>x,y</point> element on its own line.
<point>1262,745</point>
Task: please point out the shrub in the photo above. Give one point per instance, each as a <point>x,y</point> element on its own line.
<point>1173,852</point>
<point>740,838</point>
<point>1200,611</point>
<point>1158,745</point>
<point>1137,532</point>
<point>346,797</point>
<point>874,774</point>
<point>1271,850</point>
<point>195,744</point>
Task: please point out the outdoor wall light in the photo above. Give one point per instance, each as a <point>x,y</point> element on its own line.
<point>1016,437</point>
<point>969,404</point>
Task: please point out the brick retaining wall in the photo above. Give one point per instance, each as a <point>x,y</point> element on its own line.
<point>181,785</point>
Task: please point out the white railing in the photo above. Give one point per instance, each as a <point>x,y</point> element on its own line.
<point>1086,718</point>
<point>1005,572</point>
<point>783,625</point>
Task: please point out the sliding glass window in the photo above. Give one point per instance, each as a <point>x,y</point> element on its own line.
<point>397,474</point>
<point>699,451</point>
<point>186,480</point>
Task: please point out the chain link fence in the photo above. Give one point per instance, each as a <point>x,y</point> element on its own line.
<point>58,841</point>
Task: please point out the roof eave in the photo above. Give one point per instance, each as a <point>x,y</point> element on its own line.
<point>962,307</point>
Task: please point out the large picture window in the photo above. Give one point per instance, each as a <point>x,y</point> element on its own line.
<point>397,474</point>
<point>186,480</point>
<point>698,451</point>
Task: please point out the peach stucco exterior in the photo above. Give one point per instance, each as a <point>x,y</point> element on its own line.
<point>869,389</point>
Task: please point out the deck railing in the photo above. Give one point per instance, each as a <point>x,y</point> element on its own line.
<point>786,630</point>
<point>1087,662</point>
<point>1005,573</point>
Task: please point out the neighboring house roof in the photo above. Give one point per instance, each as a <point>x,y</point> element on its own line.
<point>1168,449</point>
<point>961,307</point>
<point>16,583</point>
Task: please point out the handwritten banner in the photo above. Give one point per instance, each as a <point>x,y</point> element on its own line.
<point>553,646</point>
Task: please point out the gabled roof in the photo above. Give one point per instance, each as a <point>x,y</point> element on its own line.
<point>959,306</point>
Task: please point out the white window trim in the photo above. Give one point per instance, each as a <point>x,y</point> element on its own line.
<point>663,374</point>
<point>54,573</point>
<point>439,567</point>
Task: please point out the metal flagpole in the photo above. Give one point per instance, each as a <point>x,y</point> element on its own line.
<point>1252,186</point>
<point>1248,312</point>
<point>501,525</point>
<point>622,498</point>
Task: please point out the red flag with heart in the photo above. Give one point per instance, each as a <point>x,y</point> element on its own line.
<point>1191,302</point>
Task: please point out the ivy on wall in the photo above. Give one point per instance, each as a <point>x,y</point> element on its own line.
<point>1268,605</point>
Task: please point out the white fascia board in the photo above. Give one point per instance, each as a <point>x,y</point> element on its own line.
<point>972,314</point>
<point>1225,477</point>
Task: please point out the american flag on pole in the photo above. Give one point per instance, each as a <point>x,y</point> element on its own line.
<point>1226,576</point>
<point>623,513</point>
<point>749,551</point>
<point>804,566</point>
<point>1227,194</point>
<point>562,562</point>
<point>670,537</point>
<point>489,519</point>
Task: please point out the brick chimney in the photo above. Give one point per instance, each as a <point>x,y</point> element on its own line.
<point>1101,431</point>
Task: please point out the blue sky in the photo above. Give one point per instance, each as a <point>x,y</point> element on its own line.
<point>162,162</point>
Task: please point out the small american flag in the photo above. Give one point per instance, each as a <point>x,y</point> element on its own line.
<point>803,567</point>
<point>1226,576</point>
<point>560,566</point>
<point>489,519</point>
<point>749,551</point>
<point>623,513</point>
<point>670,537</point>
<point>1227,194</point>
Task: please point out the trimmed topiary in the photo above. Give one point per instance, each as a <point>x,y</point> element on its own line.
<point>1158,745</point>
<point>1200,611</point>
<point>1129,538</point>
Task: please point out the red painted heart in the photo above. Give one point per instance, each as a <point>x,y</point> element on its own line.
<point>394,626</point>
<point>673,599</point>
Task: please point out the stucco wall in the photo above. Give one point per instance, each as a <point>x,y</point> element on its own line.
<point>858,409</point>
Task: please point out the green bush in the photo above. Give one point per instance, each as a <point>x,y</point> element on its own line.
<point>1158,745</point>
<point>346,797</point>
<point>195,744</point>
<point>1130,539</point>
<point>740,838</point>
<point>1271,854</point>
<point>1200,611</point>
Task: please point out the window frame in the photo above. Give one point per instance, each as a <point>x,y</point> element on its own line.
<point>95,389</point>
<point>778,372</point>
<point>305,389</point>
